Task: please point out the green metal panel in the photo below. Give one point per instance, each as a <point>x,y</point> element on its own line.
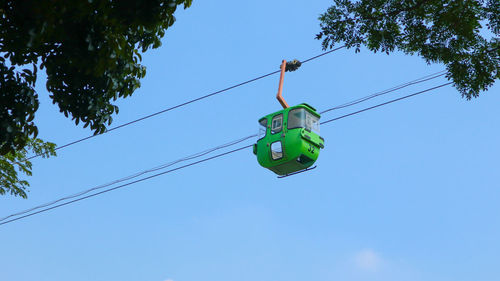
<point>300,147</point>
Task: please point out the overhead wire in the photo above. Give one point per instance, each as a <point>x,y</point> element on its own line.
<point>126,184</point>
<point>29,213</point>
<point>390,90</point>
<point>184,103</point>
<point>160,167</point>
<point>384,103</point>
<point>351,103</point>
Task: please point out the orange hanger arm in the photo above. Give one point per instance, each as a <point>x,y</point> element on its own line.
<point>280,88</point>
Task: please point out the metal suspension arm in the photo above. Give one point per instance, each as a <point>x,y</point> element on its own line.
<point>280,88</point>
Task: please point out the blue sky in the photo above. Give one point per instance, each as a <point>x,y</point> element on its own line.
<point>409,191</point>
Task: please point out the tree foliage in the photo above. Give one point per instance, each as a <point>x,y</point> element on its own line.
<point>91,53</point>
<point>13,162</point>
<point>446,31</point>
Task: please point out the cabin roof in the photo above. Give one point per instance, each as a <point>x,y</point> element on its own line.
<point>301,105</point>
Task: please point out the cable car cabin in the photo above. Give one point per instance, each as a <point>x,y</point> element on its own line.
<point>289,139</point>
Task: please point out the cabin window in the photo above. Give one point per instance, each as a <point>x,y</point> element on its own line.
<point>296,118</point>
<point>312,123</point>
<point>276,124</point>
<point>301,118</point>
<point>262,128</point>
<point>276,150</point>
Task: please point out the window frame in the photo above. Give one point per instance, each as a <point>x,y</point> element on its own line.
<point>316,131</point>
<point>282,150</point>
<point>288,121</point>
<point>304,121</point>
<point>272,124</point>
<point>260,127</point>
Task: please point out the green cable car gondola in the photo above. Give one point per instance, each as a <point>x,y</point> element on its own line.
<point>289,140</point>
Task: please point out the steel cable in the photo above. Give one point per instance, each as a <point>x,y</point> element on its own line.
<point>2,221</point>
